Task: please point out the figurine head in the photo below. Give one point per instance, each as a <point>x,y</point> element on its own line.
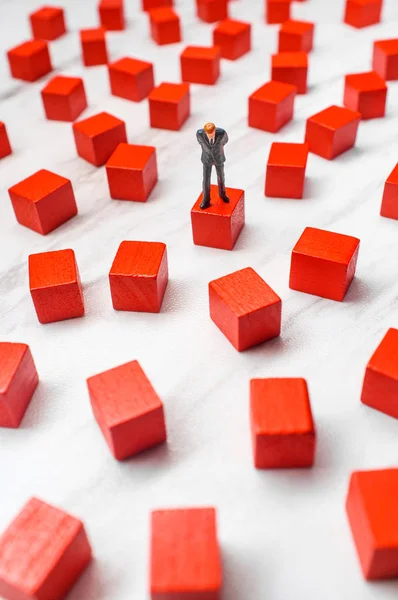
<point>210,130</point>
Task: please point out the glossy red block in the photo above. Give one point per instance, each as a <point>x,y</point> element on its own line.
<point>132,172</point>
<point>200,64</point>
<point>165,25</point>
<point>233,38</point>
<point>362,13</point>
<point>169,105</point>
<point>55,286</point>
<point>385,59</point>
<point>389,205</point>
<point>291,67</point>
<point>131,79</point>
<point>5,146</point>
<point>272,106</point>
<point>366,93</point>
<point>245,308</point>
<point>111,14</point>
<point>64,98</point>
<point>127,409</point>
<point>283,431</point>
<point>185,557</point>
<point>218,226</point>
<point>212,11</point>
<point>277,11</point>
<point>97,137</point>
<point>150,4</point>
<point>372,514</point>
<point>43,552</point>
<point>30,61</point>
<point>323,263</point>
<point>296,36</point>
<point>43,201</point>
<point>93,45</point>
<point>138,276</point>
<point>48,23</point>
<point>18,381</point>
<point>286,167</point>
<point>332,131</point>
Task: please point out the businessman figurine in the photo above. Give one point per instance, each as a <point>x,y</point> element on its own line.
<point>212,140</point>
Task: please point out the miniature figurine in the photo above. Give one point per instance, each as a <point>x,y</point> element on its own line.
<point>212,140</point>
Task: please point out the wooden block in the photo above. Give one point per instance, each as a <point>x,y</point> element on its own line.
<point>219,226</point>
<point>372,514</point>
<point>366,93</point>
<point>5,146</point>
<point>200,64</point>
<point>138,276</point>
<point>43,552</point>
<point>286,167</point>
<point>30,61</point>
<point>132,172</point>
<point>291,67</point>
<point>43,201</point>
<point>233,38</point>
<point>131,79</point>
<point>332,131</point>
<point>245,308</point>
<point>283,432</point>
<point>48,23</point>
<point>111,14</point>
<point>185,555</point>
<point>64,98</point>
<point>389,205</point>
<point>150,4</point>
<point>97,137</point>
<point>362,13</point>
<point>18,381</point>
<point>127,409</point>
<point>55,286</point>
<point>272,106</point>
<point>93,44</point>
<point>169,105</point>
<point>277,11</point>
<point>165,25</point>
<point>323,263</point>
<point>296,36</point>
<point>385,59</point>
<point>211,11</point>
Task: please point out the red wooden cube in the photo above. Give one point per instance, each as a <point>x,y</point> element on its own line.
<point>200,64</point>
<point>286,167</point>
<point>131,79</point>
<point>233,38</point>
<point>283,432</point>
<point>296,36</point>
<point>5,146</point>
<point>362,13</point>
<point>111,14</point>
<point>169,105</point>
<point>291,67</point>
<point>55,286</point>
<point>18,381</point>
<point>150,4</point>
<point>245,308</point>
<point>43,201</point>
<point>132,172</point>
<point>98,137</point>
<point>212,11</point>
<point>272,106</point>
<point>127,409</point>
<point>277,11</point>
<point>165,25</point>
<point>218,226</point>
<point>366,93</point>
<point>193,569</point>
<point>48,23</point>
<point>380,385</point>
<point>323,263</point>
<point>43,552</point>
<point>372,514</point>
<point>385,59</point>
<point>138,276</point>
<point>332,131</point>
<point>30,61</point>
<point>93,44</point>
<point>64,98</point>
<point>389,205</point>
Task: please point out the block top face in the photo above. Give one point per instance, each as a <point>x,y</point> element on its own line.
<point>11,355</point>
<point>327,245</point>
<point>393,176</point>
<point>169,92</point>
<point>385,357</point>
<point>131,156</point>
<point>366,82</point>
<point>62,85</point>
<point>274,92</point>
<point>52,268</point>
<point>290,59</point>
<point>388,46</point>
<point>365,2</point>
<point>163,14</point>
<point>47,12</point>
<point>123,393</point>
<point>298,27</point>
<point>335,117</point>
<point>280,406</point>
<point>201,52</point>
<point>288,155</point>
<point>232,27</point>
<point>132,66</point>
<point>138,259</point>
<point>217,206</point>
<point>110,3</point>
<point>28,48</point>
<point>96,34</point>
<point>97,124</point>
<point>244,291</point>
<point>38,185</point>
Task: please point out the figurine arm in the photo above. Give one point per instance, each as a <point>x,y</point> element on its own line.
<point>199,138</point>
<point>225,138</point>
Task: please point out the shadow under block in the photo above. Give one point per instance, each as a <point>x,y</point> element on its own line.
<point>43,201</point>
<point>93,45</point>
<point>283,432</point>
<point>286,168</point>
<point>272,106</point>
<point>131,79</point>
<point>245,308</point>
<point>277,11</point>
<point>150,4</point>
<point>165,25</point>
<point>233,38</point>
<point>389,205</point>
<point>362,13</point>
<point>55,286</point>
<point>291,67</point>
<point>169,105</point>
<point>111,14</point>
<point>380,385</point>
<point>296,36</point>
<point>30,61</point>
<point>138,276</point>
<point>323,263</point>
<point>132,172</point>
<point>127,410</point>
<point>185,558</point>
<point>47,23</point>
<point>97,137</point>
<point>332,131</point>
<point>43,552</point>
<point>64,98</point>
<point>372,514</point>
<point>18,381</point>
<point>366,93</point>
<point>200,64</point>
<point>385,59</point>
<point>212,11</point>
<point>5,146</point>
<point>219,225</point>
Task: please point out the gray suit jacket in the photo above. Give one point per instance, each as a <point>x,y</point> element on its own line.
<point>212,154</point>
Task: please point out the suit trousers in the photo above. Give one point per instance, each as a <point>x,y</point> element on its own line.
<point>207,180</point>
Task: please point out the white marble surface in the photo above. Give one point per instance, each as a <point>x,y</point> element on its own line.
<point>284,534</point>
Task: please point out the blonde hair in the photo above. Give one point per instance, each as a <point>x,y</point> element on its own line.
<point>209,128</point>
